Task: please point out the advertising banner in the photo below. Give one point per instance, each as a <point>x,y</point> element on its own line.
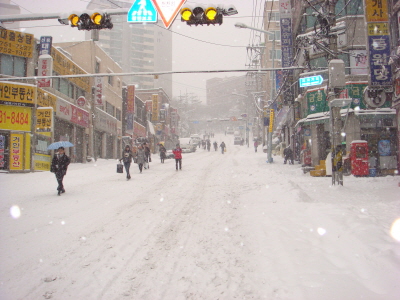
<point>46,99</point>
<point>64,66</point>
<point>155,110</point>
<point>15,118</point>
<point>42,162</point>
<point>72,113</point>
<point>98,90</point>
<point>376,11</point>
<point>45,68</point>
<point>17,94</point>
<point>316,101</point>
<point>2,150</point>
<point>44,119</point>
<point>105,122</point>
<point>16,151</point>
<point>139,130</point>
<point>271,120</point>
<point>16,43</point>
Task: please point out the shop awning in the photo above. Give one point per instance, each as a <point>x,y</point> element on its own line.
<point>151,128</point>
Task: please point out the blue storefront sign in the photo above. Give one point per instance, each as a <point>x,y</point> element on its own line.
<point>310,81</point>
<point>379,55</point>
<point>45,45</point>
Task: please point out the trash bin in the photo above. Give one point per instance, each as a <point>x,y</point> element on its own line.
<point>372,172</point>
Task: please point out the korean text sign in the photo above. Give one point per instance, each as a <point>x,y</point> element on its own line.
<point>16,43</point>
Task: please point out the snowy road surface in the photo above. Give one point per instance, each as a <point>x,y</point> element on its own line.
<point>228,226</point>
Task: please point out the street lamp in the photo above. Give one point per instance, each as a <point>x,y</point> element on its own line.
<point>242,25</point>
<point>246,133</point>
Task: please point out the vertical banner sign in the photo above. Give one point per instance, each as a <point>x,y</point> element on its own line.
<point>271,120</point>
<point>154,111</point>
<point>98,90</point>
<point>44,119</point>
<point>130,107</point>
<point>45,45</point>
<point>45,68</point>
<point>378,38</point>
<point>285,11</point>
<point>16,155</point>
<point>2,150</point>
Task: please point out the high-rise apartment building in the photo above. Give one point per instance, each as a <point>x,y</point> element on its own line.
<point>137,47</point>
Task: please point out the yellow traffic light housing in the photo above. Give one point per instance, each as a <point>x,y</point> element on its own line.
<point>211,13</point>
<point>74,20</point>
<point>96,18</point>
<point>186,14</point>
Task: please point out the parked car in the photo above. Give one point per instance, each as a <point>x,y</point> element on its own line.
<point>237,140</point>
<point>195,139</point>
<point>169,154</point>
<point>187,145</point>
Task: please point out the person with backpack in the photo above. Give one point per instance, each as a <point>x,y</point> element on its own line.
<point>178,156</point>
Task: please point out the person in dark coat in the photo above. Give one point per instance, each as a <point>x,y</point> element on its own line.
<point>208,145</point>
<point>215,146</point>
<point>140,157</point>
<point>288,154</point>
<point>147,152</point>
<point>59,166</point>
<point>127,159</point>
<point>223,146</point>
<point>163,153</point>
<point>178,156</point>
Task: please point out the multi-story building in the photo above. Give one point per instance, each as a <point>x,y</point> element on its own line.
<point>106,106</point>
<point>137,47</point>
<point>315,44</point>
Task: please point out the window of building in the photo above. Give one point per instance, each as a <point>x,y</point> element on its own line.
<point>277,36</point>
<point>278,54</point>
<point>273,16</point>
<point>97,67</point>
<point>12,65</point>
<point>110,108</point>
<point>118,114</point>
<point>110,78</point>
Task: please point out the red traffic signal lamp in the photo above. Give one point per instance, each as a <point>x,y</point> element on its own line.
<point>94,21</point>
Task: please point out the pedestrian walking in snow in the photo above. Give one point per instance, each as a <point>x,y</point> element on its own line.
<point>178,156</point>
<point>127,160</point>
<point>223,146</point>
<point>288,154</point>
<point>59,166</point>
<point>255,145</point>
<point>147,152</point>
<point>140,157</point>
<point>215,146</point>
<point>163,153</point>
<point>208,145</point>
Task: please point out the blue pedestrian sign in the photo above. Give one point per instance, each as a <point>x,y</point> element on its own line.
<point>310,81</point>
<point>142,11</point>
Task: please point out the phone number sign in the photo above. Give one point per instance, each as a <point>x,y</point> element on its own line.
<point>15,118</point>
<point>16,43</point>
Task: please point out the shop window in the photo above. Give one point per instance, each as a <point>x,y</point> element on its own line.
<point>64,86</point>
<point>12,65</point>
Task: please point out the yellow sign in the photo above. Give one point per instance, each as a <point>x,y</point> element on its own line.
<point>16,43</point>
<point>45,99</point>
<point>44,119</point>
<point>376,11</point>
<point>15,118</point>
<point>378,28</point>
<point>17,94</point>
<point>42,162</point>
<point>154,111</point>
<point>16,151</point>
<point>64,66</point>
<point>271,120</point>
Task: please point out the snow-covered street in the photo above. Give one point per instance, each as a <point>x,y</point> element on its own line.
<point>228,226</point>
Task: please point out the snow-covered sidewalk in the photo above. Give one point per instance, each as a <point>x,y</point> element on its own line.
<point>228,226</point>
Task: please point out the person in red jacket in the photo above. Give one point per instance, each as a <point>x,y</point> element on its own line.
<point>178,156</point>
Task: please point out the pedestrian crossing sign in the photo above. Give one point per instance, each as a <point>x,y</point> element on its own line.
<point>142,11</point>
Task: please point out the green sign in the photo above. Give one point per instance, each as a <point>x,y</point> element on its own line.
<point>316,101</point>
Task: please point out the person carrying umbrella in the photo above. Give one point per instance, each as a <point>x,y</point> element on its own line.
<point>59,166</point>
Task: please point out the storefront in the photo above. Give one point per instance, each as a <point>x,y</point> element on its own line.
<point>70,124</point>
<point>106,135</point>
<point>17,102</point>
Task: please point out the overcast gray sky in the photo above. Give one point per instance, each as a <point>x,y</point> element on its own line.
<point>194,48</point>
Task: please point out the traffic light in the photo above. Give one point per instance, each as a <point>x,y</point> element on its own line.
<point>201,15</point>
<point>94,21</point>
